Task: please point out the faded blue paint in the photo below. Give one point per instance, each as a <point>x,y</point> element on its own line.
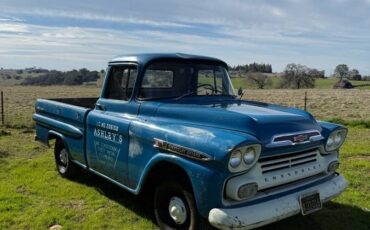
<point>213,125</point>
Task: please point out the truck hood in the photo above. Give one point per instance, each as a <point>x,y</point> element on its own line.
<point>258,119</point>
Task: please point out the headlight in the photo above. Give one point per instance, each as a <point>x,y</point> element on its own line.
<point>249,156</point>
<point>235,159</point>
<point>335,139</point>
<point>243,158</point>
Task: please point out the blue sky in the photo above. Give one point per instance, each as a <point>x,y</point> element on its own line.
<point>74,34</point>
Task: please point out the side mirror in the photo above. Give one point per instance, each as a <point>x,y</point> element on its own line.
<point>240,91</point>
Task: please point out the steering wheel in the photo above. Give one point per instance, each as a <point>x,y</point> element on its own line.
<point>207,86</point>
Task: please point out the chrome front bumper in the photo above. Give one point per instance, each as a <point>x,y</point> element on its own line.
<point>257,215</point>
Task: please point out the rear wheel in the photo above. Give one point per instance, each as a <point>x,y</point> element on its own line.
<point>64,165</point>
<point>174,207</point>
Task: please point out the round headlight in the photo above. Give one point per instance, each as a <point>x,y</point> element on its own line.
<point>235,159</point>
<point>335,139</point>
<point>244,157</point>
<point>330,141</point>
<point>338,138</point>
<point>249,156</point>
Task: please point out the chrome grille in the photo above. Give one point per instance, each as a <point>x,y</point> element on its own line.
<point>275,163</point>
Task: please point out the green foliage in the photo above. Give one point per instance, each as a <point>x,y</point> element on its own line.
<point>351,123</point>
<point>55,77</point>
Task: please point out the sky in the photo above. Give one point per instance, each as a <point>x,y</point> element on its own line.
<point>69,34</point>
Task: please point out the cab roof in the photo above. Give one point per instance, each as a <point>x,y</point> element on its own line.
<point>146,58</point>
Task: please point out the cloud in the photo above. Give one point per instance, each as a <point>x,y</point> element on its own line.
<point>67,34</point>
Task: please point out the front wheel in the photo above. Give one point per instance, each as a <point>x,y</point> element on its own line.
<point>174,207</point>
<point>65,167</point>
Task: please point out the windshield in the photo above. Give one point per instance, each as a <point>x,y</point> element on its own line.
<point>177,80</point>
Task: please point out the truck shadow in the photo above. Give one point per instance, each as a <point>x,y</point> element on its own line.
<point>137,204</point>
<point>333,215</point>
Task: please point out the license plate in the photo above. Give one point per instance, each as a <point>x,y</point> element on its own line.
<point>310,203</point>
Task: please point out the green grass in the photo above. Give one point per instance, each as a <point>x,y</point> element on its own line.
<point>34,196</point>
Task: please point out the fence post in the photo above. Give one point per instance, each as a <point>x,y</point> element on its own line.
<point>305,101</point>
<point>2,108</point>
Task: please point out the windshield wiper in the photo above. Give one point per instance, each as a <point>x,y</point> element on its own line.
<point>186,94</point>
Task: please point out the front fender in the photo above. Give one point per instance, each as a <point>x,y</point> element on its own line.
<point>207,184</point>
<point>328,127</point>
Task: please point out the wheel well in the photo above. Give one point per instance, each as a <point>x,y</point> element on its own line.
<point>55,137</point>
<point>165,171</point>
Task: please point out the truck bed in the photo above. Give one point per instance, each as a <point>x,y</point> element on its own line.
<point>87,102</point>
<point>64,117</point>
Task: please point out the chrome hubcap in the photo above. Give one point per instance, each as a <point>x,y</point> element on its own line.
<point>177,210</point>
<point>63,156</point>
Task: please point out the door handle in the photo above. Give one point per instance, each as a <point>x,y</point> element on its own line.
<point>100,106</point>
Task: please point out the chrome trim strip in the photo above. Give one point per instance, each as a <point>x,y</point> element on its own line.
<point>180,150</point>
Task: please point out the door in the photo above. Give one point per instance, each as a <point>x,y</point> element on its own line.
<point>108,124</point>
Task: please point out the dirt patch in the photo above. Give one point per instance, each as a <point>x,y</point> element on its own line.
<point>5,133</point>
<point>4,154</point>
<point>28,130</point>
<point>366,157</point>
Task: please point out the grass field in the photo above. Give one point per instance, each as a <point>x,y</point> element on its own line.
<point>34,196</point>
<point>326,83</point>
<point>350,105</point>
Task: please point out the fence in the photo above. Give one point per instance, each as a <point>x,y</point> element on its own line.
<point>2,108</point>
<point>18,102</point>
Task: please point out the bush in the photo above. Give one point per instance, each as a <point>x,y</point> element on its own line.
<point>54,77</point>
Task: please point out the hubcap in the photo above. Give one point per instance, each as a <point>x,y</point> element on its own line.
<point>63,156</point>
<point>177,210</point>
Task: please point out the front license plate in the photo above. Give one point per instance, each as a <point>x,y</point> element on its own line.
<point>310,203</point>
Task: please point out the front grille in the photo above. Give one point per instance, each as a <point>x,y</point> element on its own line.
<point>275,163</point>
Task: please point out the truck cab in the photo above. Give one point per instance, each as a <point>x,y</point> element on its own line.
<point>172,127</point>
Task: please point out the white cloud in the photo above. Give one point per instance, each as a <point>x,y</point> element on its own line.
<point>13,27</point>
<point>317,33</point>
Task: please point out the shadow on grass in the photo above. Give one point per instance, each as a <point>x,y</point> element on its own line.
<point>138,204</point>
<point>362,85</point>
<point>332,216</point>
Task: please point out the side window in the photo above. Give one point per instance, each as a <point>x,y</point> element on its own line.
<point>210,80</point>
<point>121,82</point>
<point>157,79</point>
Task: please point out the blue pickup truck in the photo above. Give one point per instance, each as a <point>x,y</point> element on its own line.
<point>172,127</point>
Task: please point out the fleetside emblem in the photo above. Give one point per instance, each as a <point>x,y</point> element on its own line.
<point>300,138</point>
<point>180,150</point>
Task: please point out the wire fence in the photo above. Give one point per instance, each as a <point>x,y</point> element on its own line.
<point>18,102</point>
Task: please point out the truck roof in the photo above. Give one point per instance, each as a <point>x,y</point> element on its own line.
<point>145,58</point>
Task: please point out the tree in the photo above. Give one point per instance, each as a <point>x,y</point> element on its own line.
<point>258,79</point>
<point>341,71</point>
<point>297,76</point>
<point>316,73</point>
<point>354,74</point>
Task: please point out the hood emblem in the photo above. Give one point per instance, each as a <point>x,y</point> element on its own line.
<point>300,138</point>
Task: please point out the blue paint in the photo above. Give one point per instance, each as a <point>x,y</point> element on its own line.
<point>115,139</point>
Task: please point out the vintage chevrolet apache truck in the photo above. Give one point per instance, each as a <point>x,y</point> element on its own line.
<point>171,125</point>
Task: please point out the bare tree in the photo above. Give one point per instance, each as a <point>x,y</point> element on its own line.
<point>260,80</point>
<point>297,76</point>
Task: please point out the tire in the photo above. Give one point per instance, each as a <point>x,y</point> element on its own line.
<point>172,193</point>
<point>65,167</point>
